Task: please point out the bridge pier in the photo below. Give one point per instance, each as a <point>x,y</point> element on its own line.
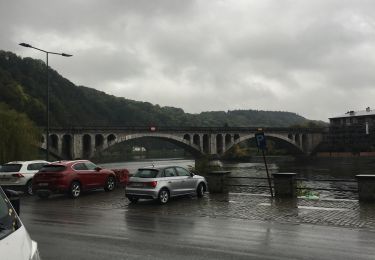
<point>213,144</point>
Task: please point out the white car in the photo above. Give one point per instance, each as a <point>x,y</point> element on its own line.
<point>18,175</point>
<point>15,242</point>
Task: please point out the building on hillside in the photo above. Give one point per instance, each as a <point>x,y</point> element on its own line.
<point>352,132</point>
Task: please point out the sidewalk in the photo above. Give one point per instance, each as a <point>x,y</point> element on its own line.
<point>340,213</point>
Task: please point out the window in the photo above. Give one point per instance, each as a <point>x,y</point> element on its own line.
<point>90,166</point>
<point>146,173</point>
<point>182,172</point>
<point>35,166</point>
<point>169,172</point>
<point>12,167</point>
<point>52,168</point>
<point>79,167</point>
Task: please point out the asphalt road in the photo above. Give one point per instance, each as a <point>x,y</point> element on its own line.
<point>103,225</point>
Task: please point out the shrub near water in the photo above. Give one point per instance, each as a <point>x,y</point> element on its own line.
<point>19,136</point>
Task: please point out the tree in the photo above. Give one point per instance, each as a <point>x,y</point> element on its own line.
<point>19,137</point>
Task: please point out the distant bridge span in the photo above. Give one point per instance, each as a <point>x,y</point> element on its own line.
<point>84,142</point>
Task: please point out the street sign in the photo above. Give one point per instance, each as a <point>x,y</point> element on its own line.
<point>261,144</point>
<point>261,141</point>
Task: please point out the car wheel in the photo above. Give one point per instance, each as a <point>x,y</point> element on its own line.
<point>43,195</point>
<point>163,196</point>
<point>110,184</point>
<point>200,190</point>
<point>133,199</point>
<point>29,188</point>
<point>75,189</point>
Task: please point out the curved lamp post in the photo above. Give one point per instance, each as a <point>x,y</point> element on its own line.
<point>47,113</point>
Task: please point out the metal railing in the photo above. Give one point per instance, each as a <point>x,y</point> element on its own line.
<point>303,180</point>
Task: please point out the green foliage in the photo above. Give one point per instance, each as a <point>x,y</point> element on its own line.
<point>302,191</point>
<point>310,124</point>
<point>18,136</point>
<point>203,166</point>
<point>239,153</point>
<point>23,88</point>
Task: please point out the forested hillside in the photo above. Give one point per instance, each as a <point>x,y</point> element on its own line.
<point>23,88</point>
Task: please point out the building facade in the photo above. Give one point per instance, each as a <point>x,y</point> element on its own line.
<point>352,132</point>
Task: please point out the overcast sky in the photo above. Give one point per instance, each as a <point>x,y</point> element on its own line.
<point>315,58</point>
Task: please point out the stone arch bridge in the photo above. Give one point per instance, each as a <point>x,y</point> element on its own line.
<point>84,142</point>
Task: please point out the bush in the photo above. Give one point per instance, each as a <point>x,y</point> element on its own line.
<point>19,137</point>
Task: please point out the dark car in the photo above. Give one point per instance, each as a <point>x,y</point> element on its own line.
<point>72,177</point>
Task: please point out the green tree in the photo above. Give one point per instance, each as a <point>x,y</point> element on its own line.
<point>19,136</point>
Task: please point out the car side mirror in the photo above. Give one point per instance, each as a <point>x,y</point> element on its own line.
<point>191,174</point>
<point>14,199</point>
<point>98,168</point>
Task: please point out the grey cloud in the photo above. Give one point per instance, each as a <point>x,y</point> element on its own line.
<point>208,55</point>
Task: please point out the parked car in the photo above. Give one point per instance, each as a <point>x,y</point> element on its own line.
<point>122,176</point>
<point>72,177</point>
<point>15,242</point>
<point>162,183</point>
<point>19,175</point>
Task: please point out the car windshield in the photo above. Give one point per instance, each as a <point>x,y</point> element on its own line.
<point>146,173</point>
<point>8,219</point>
<point>52,168</point>
<point>11,167</point>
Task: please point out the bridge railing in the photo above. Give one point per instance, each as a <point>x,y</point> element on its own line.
<point>155,128</point>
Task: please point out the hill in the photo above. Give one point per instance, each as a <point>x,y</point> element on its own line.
<point>23,88</point>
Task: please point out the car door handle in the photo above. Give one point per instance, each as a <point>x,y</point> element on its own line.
<point>170,182</point>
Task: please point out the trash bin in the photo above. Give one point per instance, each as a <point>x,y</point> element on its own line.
<point>217,181</point>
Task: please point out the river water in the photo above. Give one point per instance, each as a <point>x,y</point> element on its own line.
<point>327,177</point>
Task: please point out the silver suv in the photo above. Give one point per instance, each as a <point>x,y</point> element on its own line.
<point>163,183</point>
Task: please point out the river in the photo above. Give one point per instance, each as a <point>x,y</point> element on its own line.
<point>326,175</point>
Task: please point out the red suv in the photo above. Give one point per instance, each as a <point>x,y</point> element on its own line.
<point>72,177</point>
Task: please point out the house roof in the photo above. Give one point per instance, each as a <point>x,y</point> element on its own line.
<point>368,112</point>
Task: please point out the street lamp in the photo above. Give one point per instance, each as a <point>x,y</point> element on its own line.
<point>46,52</point>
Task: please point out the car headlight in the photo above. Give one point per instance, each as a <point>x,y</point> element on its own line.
<point>36,256</point>
<point>35,251</point>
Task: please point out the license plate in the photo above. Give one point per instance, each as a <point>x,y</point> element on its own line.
<point>43,184</point>
<point>137,185</point>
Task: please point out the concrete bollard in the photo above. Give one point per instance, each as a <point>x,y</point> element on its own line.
<point>366,187</point>
<point>217,181</point>
<point>285,185</point>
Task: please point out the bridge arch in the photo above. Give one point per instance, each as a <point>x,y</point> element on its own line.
<point>294,146</point>
<point>179,141</point>
<point>54,141</point>
<point>196,140</point>
<point>187,137</point>
<point>67,146</point>
<point>87,148</point>
<point>111,138</point>
<point>206,144</point>
<point>99,141</point>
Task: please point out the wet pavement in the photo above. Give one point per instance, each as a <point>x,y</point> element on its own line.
<point>102,225</point>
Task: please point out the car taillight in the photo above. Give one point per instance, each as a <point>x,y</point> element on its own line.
<point>152,184</point>
<point>18,175</point>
